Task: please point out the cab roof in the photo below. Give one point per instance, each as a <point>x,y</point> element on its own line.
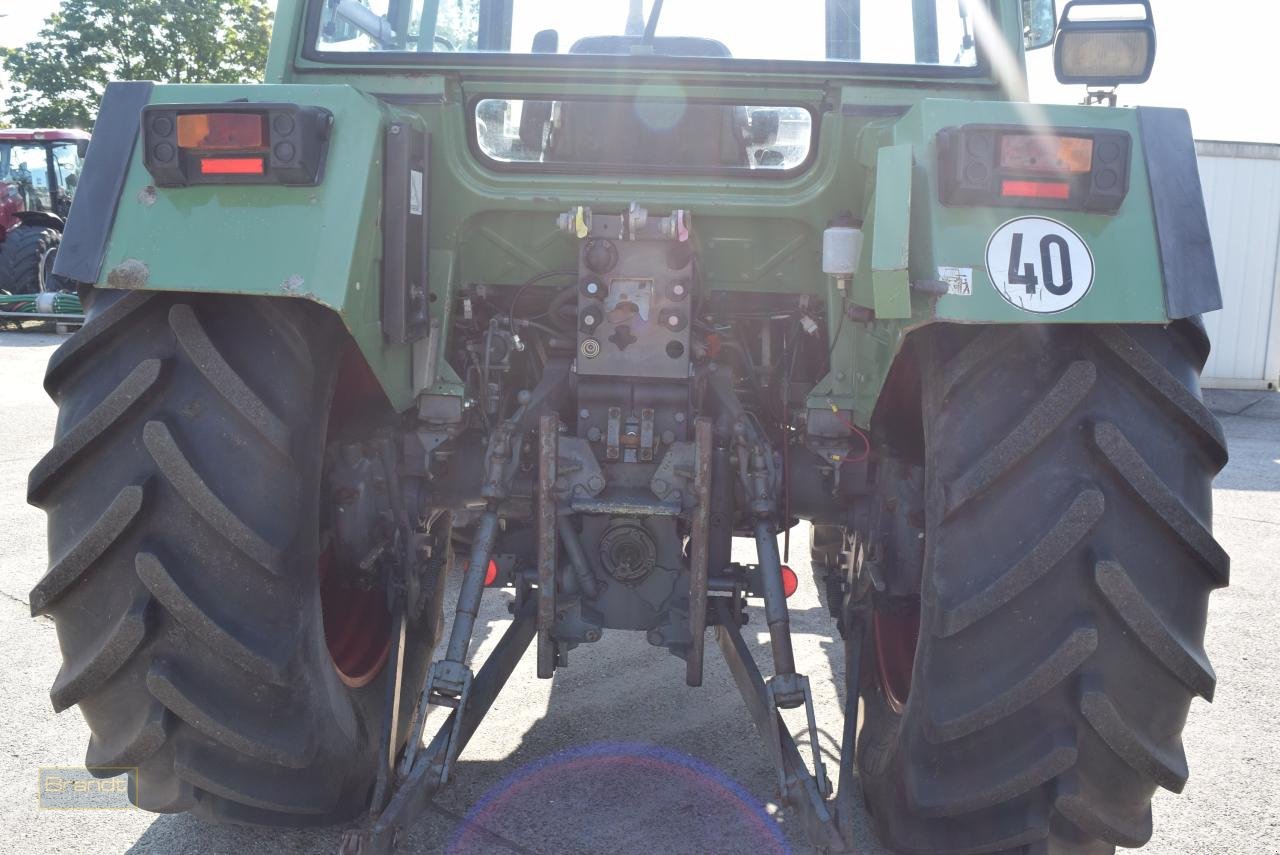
<point>41,134</point>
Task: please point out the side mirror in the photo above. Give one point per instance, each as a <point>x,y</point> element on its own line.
<point>1039,23</point>
<point>1105,51</point>
<point>546,41</point>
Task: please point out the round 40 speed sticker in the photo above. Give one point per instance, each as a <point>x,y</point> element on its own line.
<point>1039,264</point>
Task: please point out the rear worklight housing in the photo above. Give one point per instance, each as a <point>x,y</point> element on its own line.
<point>237,142</point>
<point>1073,169</point>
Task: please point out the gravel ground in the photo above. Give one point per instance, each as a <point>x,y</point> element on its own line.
<point>620,756</point>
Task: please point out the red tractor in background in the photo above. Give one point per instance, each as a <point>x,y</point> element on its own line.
<point>39,170</point>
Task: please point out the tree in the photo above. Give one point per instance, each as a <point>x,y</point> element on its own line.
<point>58,79</point>
<point>459,23</point>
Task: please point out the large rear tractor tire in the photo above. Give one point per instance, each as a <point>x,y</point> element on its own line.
<point>184,495</point>
<point>23,254</point>
<point>1067,570</point>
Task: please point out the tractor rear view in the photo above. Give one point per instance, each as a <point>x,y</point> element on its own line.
<point>592,291</point>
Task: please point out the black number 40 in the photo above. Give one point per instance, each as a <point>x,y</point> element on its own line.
<point>1025,273</point>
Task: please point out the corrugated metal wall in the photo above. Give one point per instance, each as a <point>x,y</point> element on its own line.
<point>1242,194</point>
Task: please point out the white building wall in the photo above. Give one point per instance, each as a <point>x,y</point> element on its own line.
<point>1242,195</point>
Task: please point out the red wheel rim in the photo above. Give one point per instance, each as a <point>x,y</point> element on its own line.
<point>896,636</point>
<point>357,627</point>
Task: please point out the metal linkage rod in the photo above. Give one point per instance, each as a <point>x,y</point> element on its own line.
<point>425,768</point>
<point>804,792</point>
<point>587,582</point>
<point>548,548</point>
<point>449,675</point>
<point>472,587</point>
<point>699,549</point>
<point>776,614</point>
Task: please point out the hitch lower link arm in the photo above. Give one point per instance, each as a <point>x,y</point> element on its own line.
<point>787,688</point>
<point>449,680</point>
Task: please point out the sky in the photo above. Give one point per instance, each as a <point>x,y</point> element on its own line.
<point>1219,59</point>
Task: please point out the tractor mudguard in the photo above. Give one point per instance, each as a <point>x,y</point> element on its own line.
<point>1147,261</point>
<point>39,218</point>
<point>319,243</point>
<point>1152,259</point>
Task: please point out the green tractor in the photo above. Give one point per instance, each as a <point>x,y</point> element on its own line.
<point>583,291</point>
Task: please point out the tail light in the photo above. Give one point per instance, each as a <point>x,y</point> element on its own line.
<point>790,582</point>
<point>1075,169</point>
<point>235,143</point>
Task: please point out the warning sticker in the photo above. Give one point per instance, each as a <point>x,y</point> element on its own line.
<point>415,192</point>
<point>959,280</point>
<point>1039,265</point>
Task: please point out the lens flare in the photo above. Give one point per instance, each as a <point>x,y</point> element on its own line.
<point>715,812</point>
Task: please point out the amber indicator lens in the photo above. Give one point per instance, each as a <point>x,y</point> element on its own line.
<point>1045,153</point>
<point>222,131</point>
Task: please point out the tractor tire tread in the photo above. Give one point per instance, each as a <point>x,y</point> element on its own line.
<point>21,254</point>
<point>99,329</point>
<point>1041,421</point>
<point>262,659</point>
<point>178,470</point>
<point>131,391</point>
<point>261,740</point>
<point>103,658</point>
<point>87,549</point>
<point>224,379</point>
<point>181,473</point>
<point>1066,588</point>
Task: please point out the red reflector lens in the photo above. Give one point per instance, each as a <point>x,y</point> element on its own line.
<point>1036,189</point>
<point>789,581</point>
<point>225,131</point>
<point>491,574</point>
<point>232,166</point>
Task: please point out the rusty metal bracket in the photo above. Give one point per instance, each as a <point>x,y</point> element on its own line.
<point>613,434</point>
<point>646,435</point>
<point>548,548</point>
<point>854,633</point>
<point>699,545</point>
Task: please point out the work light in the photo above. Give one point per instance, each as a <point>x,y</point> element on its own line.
<point>1105,52</point>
